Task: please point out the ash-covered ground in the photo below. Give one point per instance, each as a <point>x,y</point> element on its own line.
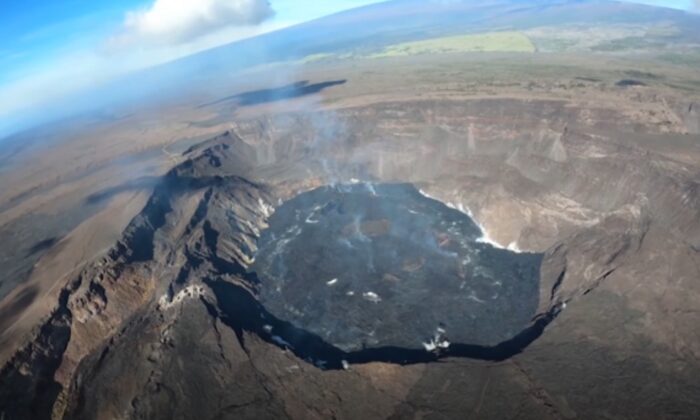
<point>367,266</point>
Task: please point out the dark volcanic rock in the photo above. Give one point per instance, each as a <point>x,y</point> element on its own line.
<point>367,266</point>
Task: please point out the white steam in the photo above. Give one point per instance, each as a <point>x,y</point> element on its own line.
<point>485,237</point>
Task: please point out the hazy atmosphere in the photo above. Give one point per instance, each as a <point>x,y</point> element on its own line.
<point>443,209</point>
<point>54,49</point>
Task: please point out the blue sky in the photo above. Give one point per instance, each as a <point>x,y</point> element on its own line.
<point>50,48</point>
<point>35,33</point>
<point>32,32</point>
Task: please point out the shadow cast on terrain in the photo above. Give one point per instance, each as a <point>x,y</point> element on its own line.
<point>135,185</point>
<point>242,312</point>
<point>43,245</point>
<point>629,83</point>
<point>14,309</point>
<point>295,90</point>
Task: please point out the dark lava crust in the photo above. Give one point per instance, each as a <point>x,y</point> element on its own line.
<point>381,266</point>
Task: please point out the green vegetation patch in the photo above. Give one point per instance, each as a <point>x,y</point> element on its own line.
<point>487,42</point>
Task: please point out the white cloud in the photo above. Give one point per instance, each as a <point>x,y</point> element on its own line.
<point>86,69</point>
<point>174,22</point>
<point>166,31</point>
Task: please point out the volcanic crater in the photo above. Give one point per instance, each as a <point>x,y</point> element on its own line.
<point>380,266</point>
<point>258,240</point>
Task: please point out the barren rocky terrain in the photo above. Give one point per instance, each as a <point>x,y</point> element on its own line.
<point>146,269</point>
<point>602,179</point>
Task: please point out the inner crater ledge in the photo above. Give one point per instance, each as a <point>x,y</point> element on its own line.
<point>377,266</point>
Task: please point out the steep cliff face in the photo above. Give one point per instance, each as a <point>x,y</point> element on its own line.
<point>168,324</point>
<point>146,270</point>
<point>531,171</point>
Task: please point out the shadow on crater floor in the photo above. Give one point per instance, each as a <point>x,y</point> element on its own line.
<point>243,313</point>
